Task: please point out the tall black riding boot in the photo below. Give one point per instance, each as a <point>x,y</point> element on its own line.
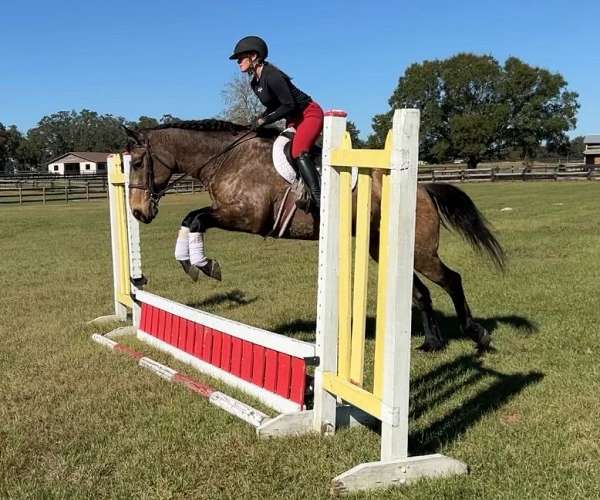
<point>310,176</point>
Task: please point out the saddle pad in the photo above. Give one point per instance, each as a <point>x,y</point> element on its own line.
<point>282,164</point>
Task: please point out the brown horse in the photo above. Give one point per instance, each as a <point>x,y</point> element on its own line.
<point>235,165</point>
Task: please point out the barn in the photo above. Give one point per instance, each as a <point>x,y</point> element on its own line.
<point>592,150</point>
<point>79,163</point>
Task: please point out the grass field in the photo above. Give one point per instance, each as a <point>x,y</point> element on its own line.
<point>77,421</point>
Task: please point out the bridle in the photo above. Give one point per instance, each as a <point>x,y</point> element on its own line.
<point>149,186</point>
<point>148,165</point>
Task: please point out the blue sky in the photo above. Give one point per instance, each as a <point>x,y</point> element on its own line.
<point>155,57</point>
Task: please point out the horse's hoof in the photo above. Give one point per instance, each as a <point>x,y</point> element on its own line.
<point>484,341</point>
<point>139,282</point>
<point>192,271</point>
<point>484,344</point>
<point>432,346</point>
<point>212,269</point>
<point>481,337</point>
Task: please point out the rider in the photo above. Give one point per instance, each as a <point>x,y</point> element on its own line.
<point>283,99</point>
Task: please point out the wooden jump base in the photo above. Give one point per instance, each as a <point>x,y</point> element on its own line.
<point>272,367</point>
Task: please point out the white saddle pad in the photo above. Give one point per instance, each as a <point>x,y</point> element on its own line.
<point>282,165</point>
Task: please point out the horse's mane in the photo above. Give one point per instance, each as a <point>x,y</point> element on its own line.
<point>211,124</point>
<point>215,125</point>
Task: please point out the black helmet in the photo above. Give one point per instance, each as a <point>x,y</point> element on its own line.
<point>251,44</point>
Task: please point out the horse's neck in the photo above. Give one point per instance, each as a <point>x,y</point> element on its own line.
<point>202,157</point>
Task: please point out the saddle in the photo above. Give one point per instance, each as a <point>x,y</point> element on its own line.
<point>286,168</point>
<point>296,190</point>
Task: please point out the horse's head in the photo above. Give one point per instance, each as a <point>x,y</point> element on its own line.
<point>151,169</point>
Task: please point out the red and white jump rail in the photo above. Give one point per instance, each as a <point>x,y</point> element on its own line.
<point>265,365</point>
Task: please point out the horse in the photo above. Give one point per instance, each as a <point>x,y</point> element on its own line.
<point>235,164</point>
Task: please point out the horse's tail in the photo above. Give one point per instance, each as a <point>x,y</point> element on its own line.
<point>457,211</point>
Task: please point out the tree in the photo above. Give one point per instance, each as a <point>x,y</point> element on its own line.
<point>10,142</point>
<point>576,148</point>
<point>473,108</point>
<point>241,105</point>
<point>461,113</point>
<point>3,153</point>
<point>144,122</point>
<point>66,131</point>
<point>357,142</point>
<point>164,119</point>
<point>540,108</point>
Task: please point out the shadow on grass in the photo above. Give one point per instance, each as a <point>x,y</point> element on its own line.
<point>435,388</point>
<point>232,299</point>
<point>448,324</point>
<point>451,327</point>
<point>463,391</point>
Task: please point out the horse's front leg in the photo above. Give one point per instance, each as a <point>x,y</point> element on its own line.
<point>189,249</point>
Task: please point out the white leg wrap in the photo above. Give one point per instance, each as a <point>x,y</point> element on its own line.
<point>182,247</point>
<point>197,256</point>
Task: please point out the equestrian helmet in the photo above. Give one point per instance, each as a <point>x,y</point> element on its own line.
<point>251,44</point>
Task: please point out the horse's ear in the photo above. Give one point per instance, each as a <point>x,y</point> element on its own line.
<point>134,138</point>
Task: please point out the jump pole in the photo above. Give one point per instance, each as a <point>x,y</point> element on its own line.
<point>231,405</point>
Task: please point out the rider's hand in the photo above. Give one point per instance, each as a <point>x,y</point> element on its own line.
<point>257,123</point>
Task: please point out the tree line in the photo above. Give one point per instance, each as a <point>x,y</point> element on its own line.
<point>66,131</point>
<point>472,109</point>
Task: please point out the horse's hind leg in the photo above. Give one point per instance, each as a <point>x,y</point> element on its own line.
<point>192,257</point>
<point>435,270</point>
<point>434,340</point>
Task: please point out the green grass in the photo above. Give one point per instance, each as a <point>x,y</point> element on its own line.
<point>78,421</point>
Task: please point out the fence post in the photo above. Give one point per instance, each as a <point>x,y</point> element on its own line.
<point>20,194</point>
<point>44,195</point>
<point>87,190</point>
<point>67,193</point>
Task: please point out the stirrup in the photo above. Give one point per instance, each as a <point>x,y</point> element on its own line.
<point>309,206</point>
<point>304,204</point>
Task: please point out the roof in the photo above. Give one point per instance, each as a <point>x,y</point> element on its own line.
<point>592,139</point>
<point>85,155</point>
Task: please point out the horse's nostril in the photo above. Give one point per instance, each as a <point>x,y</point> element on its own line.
<point>137,214</point>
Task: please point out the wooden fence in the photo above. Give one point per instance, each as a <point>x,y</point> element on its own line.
<point>48,188</point>
<point>515,173</point>
<point>66,190</point>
